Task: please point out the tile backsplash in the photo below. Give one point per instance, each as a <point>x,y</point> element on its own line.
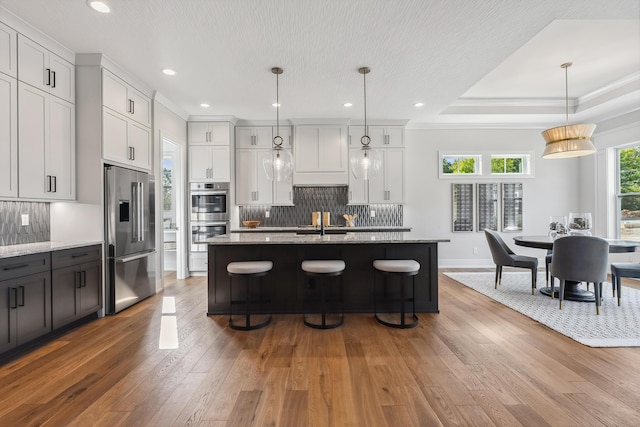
<point>331,199</point>
<point>12,232</point>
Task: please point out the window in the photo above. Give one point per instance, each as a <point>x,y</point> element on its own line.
<point>460,164</point>
<point>510,164</point>
<point>629,193</point>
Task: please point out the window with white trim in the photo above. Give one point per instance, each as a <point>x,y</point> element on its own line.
<point>452,165</point>
<point>510,164</point>
<point>628,208</point>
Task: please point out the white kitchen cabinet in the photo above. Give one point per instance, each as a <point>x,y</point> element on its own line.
<point>358,188</point>
<point>388,185</point>
<point>46,150</point>
<point>381,136</point>
<point>125,99</point>
<point>282,192</point>
<point>209,163</point>
<point>320,155</point>
<point>209,133</point>
<point>45,70</point>
<point>254,137</point>
<point>8,136</point>
<point>8,51</point>
<point>125,141</point>
<point>252,185</point>
<point>209,151</point>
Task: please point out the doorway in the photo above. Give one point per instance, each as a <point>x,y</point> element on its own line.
<point>173,208</point>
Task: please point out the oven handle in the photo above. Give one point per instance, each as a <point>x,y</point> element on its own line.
<point>209,193</point>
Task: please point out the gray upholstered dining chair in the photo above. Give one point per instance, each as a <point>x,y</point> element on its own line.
<point>580,259</point>
<point>620,270</point>
<point>503,256</point>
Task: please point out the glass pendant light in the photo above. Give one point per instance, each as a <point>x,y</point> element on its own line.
<point>278,163</point>
<point>367,162</point>
<point>568,140</point>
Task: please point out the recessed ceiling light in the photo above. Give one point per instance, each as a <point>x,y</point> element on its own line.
<point>348,104</point>
<point>275,104</point>
<point>204,105</point>
<point>169,72</point>
<point>99,6</point>
<point>418,104</point>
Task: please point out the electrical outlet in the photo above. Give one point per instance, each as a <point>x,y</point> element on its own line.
<point>373,214</point>
<point>475,251</point>
<point>267,213</point>
<point>25,219</point>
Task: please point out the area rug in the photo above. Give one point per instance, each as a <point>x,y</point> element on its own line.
<point>614,327</point>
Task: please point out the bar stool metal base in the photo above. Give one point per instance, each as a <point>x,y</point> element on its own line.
<point>247,302</point>
<point>403,323</point>
<point>323,298</point>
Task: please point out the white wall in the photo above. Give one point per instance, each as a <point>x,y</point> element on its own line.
<point>170,125</point>
<point>554,191</point>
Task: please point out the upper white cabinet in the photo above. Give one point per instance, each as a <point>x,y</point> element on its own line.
<point>320,155</point>
<point>358,188</point>
<point>388,185</point>
<point>126,123</point>
<point>209,151</point>
<point>253,137</point>
<point>125,141</point>
<point>45,70</point>
<point>209,133</point>
<point>8,51</point>
<point>209,163</point>
<point>8,136</point>
<point>381,136</point>
<point>47,145</point>
<point>252,185</point>
<point>124,99</point>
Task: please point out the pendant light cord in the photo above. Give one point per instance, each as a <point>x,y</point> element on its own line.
<point>277,106</point>
<point>364,77</point>
<point>566,94</point>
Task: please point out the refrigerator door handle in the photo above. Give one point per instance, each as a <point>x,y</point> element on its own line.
<point>135,257</point>
<point>141,222</point>
<point>135,226</point>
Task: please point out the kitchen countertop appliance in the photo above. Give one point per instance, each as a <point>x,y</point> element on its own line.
<point>130,237</point>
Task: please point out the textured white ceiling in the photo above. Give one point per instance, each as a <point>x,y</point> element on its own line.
<point>443,53</point>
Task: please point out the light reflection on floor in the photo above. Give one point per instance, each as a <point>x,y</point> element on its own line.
<point>168,325</point>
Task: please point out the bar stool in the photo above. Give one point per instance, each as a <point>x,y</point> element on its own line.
<point>321,269</point>
<point>401,268</point>
<point>248,270</point>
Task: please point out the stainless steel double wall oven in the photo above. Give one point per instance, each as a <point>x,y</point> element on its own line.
<point>210,212</point>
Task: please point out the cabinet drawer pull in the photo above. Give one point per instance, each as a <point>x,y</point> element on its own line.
<point>48,83</point>
<point>79,255</point>
<point>21,304</point>
<point>48,184</point>
<point>15,267</point>
<point>53,81</point>
<point>84,278</point>
<point>13,298</point>
<point>54,188</point>
<point>77,279</point>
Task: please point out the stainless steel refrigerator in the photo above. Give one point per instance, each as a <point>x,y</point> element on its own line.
<point>130,234</point>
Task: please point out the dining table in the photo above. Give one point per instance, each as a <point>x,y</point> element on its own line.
<point>572,290</point>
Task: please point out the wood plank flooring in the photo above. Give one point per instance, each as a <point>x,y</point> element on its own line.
<point>476,363</point>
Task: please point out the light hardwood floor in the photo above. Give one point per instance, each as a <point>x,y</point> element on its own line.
<point>475,363</point>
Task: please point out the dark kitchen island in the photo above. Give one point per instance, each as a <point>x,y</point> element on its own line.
<point>284,284</point>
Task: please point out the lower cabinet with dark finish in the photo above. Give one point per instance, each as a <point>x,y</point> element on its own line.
<point>76,284</point>
<point>25,299</point>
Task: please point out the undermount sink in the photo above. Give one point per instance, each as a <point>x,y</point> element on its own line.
<point>326,231</point>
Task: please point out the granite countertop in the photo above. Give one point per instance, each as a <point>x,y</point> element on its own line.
<point>280,238</point>
<point>35,248</point>
<point>260,229</point>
